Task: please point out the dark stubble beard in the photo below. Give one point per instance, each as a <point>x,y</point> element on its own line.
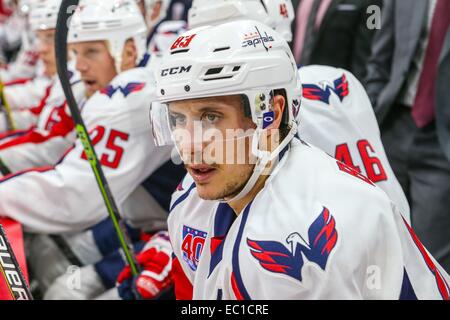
<point>232,188</point>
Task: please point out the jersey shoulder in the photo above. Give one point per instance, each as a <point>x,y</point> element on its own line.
<point>131,83</point>
<point>133,87</point>
<point>312,180</point>
<point>329,85</point>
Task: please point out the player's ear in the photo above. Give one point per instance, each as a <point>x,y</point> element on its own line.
<point>273,131</point>
<point>278,105</point>
<point>129,55</point>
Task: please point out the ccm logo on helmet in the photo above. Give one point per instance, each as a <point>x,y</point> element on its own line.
<point>175,70</point>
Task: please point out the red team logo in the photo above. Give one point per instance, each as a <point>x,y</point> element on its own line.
<point>192,246</point>
<point>276,257</point>
<point>126,91</point>
<point>314,92</point>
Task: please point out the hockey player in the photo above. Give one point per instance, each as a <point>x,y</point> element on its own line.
<point>117,118</point>
<point>45,143</point>
<point>331,114</point>
<point>289,222</point>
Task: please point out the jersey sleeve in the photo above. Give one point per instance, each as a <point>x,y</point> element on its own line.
<point>23,120</point>
<point>183,286</point>
<point>27,95</point>
<point>39,148</point>
<point>23,67</point>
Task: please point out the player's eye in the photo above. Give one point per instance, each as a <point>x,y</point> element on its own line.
<point>177,120</point>
<point>90,53</point>
<point>210,118</point>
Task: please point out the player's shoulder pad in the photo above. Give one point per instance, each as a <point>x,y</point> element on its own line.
<point>319,73</point>
<point>132,83</point>
<point>324,84</point>
<point>309,174</point>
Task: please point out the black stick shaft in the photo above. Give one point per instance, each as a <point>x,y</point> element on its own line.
<point>10,270</point>
<point>65,13</point>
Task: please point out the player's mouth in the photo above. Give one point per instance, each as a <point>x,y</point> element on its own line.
<point>202,173</point>
<point>91,85</point>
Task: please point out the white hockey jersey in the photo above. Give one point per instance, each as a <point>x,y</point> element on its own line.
<point>26,93</point>
<point>45,143</point>
<point>34,111</point>
<point>27,63</point>
<point>317,230</point>
<point>66,198</point>
<point>336,116</point>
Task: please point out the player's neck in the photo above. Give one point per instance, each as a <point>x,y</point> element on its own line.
<point>239,205</point>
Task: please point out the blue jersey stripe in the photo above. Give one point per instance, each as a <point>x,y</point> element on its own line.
<point>235,261</point>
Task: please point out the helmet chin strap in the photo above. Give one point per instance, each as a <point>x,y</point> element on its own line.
<point>264,157</point>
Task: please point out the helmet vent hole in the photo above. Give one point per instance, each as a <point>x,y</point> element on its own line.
<point>213,71</point>
<point>221,49</point>
<point>236,68</point>
<point>218,78</point>
<point>179,51</point>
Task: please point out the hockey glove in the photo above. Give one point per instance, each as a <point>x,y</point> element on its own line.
<point>155,278</point>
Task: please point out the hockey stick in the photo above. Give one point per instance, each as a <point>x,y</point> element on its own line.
<point>65,13</point>
<point>6,107</point>
<point>9,268</point>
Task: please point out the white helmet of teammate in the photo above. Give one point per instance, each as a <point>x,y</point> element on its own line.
<point>25,6</point>
<point>114,21</point>
<point>150,18</point>
<point>44,14</point>
<point>277,14</point>
<point>165,35</point>
<point>244,58</point>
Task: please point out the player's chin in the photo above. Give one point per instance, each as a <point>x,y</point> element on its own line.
<point>208,192</point>
<point>90,90</point>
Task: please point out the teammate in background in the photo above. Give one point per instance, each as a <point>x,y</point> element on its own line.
<point>25,64</point>
<point>28,97</point>
<point>290,222</point>
<point>26,79</point>
<point>99,280</point>
<point>116,115</point>
<point>13,30</point>
<point>45,143</point>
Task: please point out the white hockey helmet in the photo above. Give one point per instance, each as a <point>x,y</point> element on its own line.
<point>277,14</point>
<point>244,58</point>
<point>149,5</point>
<point>165,35</point>
<point>114,21</point>
<point>44,14</point>
<point>25,6</point>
